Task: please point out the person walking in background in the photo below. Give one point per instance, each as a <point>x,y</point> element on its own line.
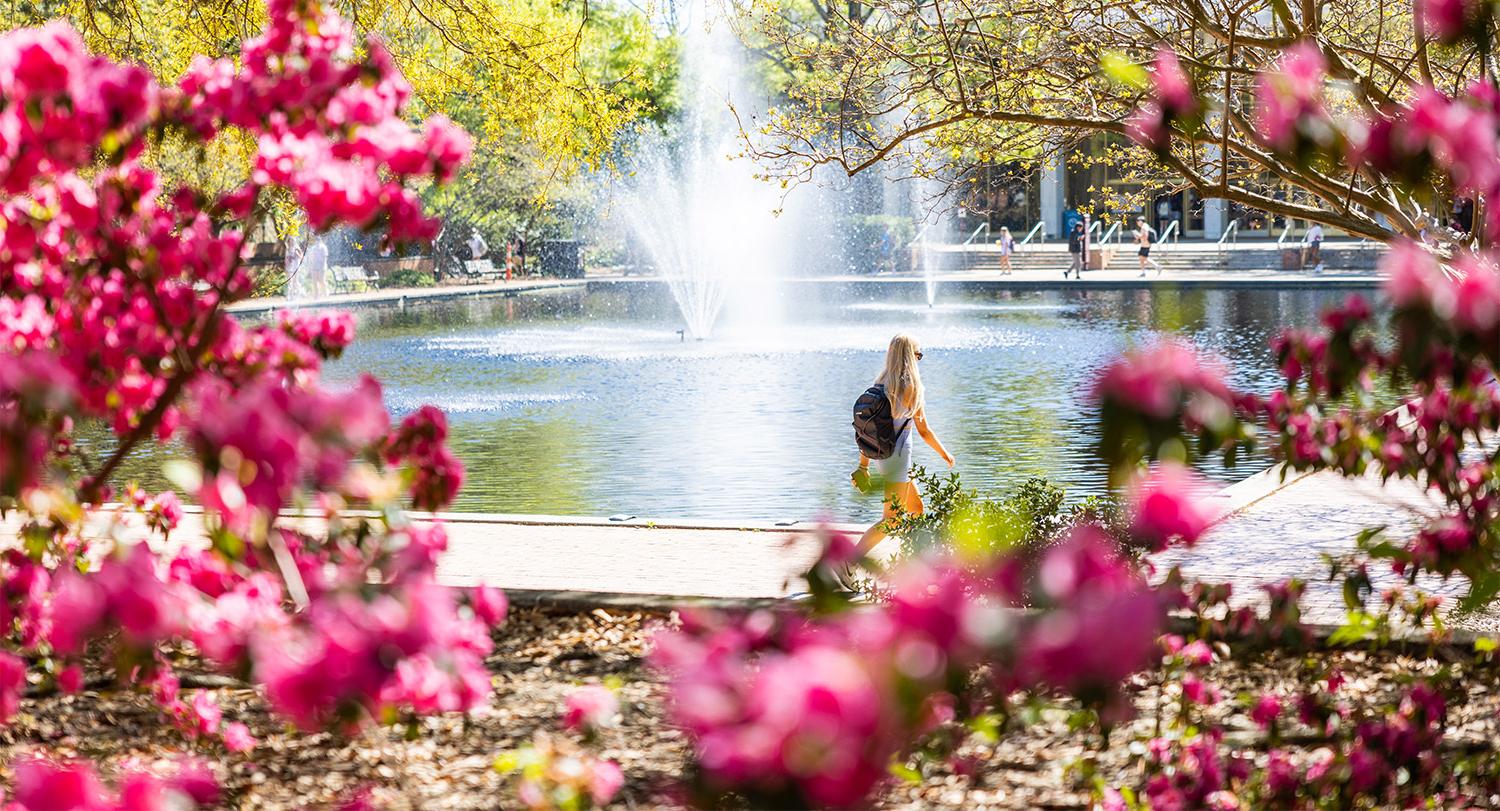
<point>477,246</point>
<point>1076,245</point>
<point>900,382</point>
<point>1145,236</point>
<point>1007,247</point>
<point>315,268</point>
<point>1312,248</point>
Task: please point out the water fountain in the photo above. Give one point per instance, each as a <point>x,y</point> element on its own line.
<point>710,226</point>
<point>927,272</point>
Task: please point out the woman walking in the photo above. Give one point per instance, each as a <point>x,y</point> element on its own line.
<point>1007,247</point>
<point>1145,236</point>
<point>903,388</point>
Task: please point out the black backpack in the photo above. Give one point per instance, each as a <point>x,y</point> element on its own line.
<point>874,426</point>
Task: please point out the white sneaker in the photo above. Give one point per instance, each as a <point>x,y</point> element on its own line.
<point>843,577</point>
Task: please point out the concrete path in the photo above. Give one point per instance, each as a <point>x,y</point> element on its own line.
<point>542,553</point>
<point>1117,278</point>
<point>396,295</point>
<point>1277,531</point>
<point>1272,530</point>
<point>1111,279</point>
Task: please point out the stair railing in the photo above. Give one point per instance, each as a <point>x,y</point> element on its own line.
<point>1231,231</point>
<point>1033,232</point>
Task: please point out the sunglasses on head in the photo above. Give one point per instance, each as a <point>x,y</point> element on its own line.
<point>919,355</point>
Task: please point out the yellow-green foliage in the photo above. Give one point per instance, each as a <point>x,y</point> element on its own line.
<point>543,86</point>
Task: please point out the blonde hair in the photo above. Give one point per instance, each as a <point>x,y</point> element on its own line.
<point>902,380</point>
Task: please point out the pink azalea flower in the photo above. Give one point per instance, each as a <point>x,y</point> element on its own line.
<point>206,713</point>
<point>490,605</point>
<point>1266,710</point>
<point>70,679</point>
<point>1166,507</point>
<point>589,708</point>
<point>605,781</point>
<point>237,738</point>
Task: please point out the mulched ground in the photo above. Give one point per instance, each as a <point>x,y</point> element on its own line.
<point>541,657</point>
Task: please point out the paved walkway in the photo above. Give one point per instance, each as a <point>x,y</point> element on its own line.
<point>1117,278</point>
<point>1272,531</point>
<point>1285,531</point>
<point>397,295</point>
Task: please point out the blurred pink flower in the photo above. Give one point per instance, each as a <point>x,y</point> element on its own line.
<point>589,708</point>
<point>237,738</point>
<point>1166,507</point>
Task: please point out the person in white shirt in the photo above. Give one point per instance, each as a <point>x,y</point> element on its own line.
<point>1145,235</point>
<point>1312,248</point>
<point>477,246</point>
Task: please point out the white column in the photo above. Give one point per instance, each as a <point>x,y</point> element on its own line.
<point>1215,217</point>
<point>1215,209</point>
<point>1053,195</point>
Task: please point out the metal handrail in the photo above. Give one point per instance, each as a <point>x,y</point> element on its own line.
<point>1284,231</point>
<point>1232,230</point>
<point>984,227</point>
<point>1032,233</point>
<point>1093,225</point>
<point>1115,226</point>
<point>1171,231</point>
<point>917,240</point>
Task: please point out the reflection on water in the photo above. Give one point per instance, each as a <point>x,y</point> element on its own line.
<point>593,404</point>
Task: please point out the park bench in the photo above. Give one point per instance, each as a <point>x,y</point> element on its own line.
<point>351,279</point>
<point>481,270</point>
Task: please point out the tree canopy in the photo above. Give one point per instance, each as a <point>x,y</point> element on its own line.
<point>544,86</point>
<point>952,85</point>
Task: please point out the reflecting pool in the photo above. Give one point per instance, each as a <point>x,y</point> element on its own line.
<point>591,403</point>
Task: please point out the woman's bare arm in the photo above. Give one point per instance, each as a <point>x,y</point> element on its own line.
<point>930,438</point>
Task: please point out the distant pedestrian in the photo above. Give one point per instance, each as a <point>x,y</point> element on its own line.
<point>477,246</point>
<point>315,268</point>
<point>1077,241</point>
<point>1145,236</point>
<point>1007,247</point>
<point>1312,248</point>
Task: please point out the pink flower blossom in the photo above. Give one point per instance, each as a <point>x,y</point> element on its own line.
<point>237,738</point>
<point>1166,507</point>
<point>12,685</point>
<point>1266,710</point>
<point>206,713</point>
<point>589,708</point>
<point>1289,100</point>
<point>70,679</point>
<point>490,605</point>
<point>605,781</point>
<point>1199,691</point>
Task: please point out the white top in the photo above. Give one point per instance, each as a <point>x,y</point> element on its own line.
<point>477,245</point>
<point>1314,234</point>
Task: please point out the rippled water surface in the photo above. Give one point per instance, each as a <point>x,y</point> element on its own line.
<point>592,404</point>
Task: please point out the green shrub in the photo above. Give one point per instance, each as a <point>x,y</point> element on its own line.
<point>409,277</point>
<point>1026,521</point>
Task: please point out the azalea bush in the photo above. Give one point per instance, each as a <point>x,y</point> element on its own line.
<point>114,297</point>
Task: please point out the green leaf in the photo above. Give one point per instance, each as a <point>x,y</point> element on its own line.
<point>1120,68</point>
<point>1357,628</point>
<point>1482,591</point>
<point>905,772</point>
<point>986,726</point>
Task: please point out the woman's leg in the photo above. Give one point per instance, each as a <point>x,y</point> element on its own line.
<point>911,500</point>
<point>895,492</point>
